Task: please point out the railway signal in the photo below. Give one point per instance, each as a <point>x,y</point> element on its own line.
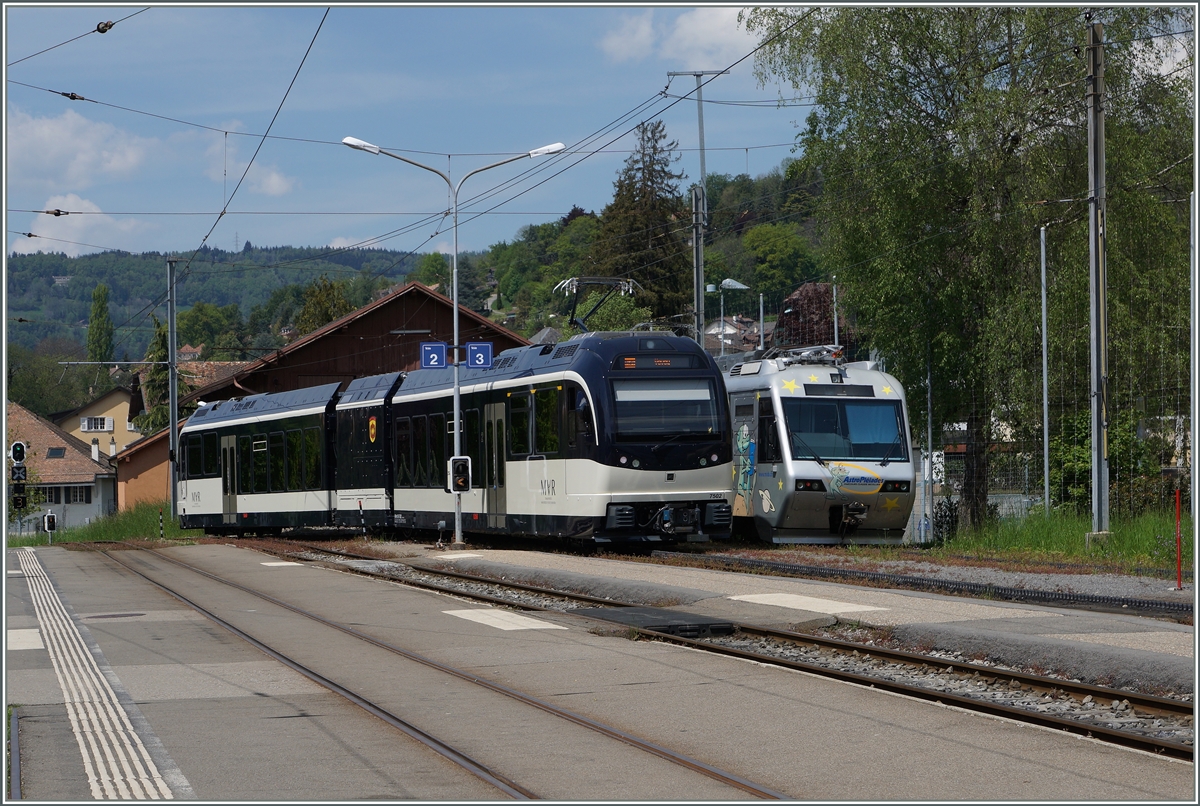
<point>460,474</point>
<point>17,453</point>
<point>49,521</point>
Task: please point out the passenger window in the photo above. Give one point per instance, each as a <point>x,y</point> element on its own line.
<point>437,449</point>
<point>194,458</point>
<point>295,459</point>
<point>579,418</point>
<point>312,458</point>
<point>404,457</point>
<point>275,452</point>
<point>258,445</point>
<point>471,446</point>
<point>420,451</point>
<point>212,456</point>
<point>518,419</point>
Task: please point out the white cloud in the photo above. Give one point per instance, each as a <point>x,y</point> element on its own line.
<point>48,153</point>
<point>84,231</point>
<point>633,40</point>
<point>345,243</point>
<point>707,39</point>
<point>225,167</point>
<point>269,181</point>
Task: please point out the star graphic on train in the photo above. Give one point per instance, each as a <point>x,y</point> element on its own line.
<point>790,385</point>
<point>813,378</point>
<point>890,503</point>
<point>887,390</point>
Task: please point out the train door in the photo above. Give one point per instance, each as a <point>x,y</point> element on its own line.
<point>745,426</point>
<point>229,479</point>
<point>494,498</point>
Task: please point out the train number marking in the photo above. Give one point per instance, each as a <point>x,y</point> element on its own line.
<point>717,496</point>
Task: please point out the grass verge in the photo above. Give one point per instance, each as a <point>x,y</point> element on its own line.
<point>139,523</point>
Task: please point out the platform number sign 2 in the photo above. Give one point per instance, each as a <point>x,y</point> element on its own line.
<point>433,354</point>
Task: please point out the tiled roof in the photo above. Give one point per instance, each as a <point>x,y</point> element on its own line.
<point>76,465</point>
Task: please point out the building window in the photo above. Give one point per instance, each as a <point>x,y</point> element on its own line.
<point>56,453</point>
<point>96,423</point>
<point>129,426</point>
<point>77,495</point>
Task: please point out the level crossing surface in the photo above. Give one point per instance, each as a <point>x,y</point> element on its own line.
<point>209,717</point>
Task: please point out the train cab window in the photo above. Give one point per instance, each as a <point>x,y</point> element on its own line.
<point>404,453</point>
<point>312,458</point>
<point>295,459</point>
<point>437,449</point>
<point>579,417</point>
<point>518,424</point>
<point>194,457</point>
<point>546,429</point>
<point>212,455</point>
<point>277,459</point>
<point>768,433</point>
<point>245,482</point>
<point>420,452</point>
<point>258,446</point>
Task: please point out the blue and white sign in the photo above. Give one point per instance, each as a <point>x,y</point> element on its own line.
<point>433,354</point>
<point>479,354</point>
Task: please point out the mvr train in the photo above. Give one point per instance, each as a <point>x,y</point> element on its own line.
<point>821,448</point>
<point>604,437</point>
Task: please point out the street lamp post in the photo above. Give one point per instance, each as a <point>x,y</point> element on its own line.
<point>732,285</point>
<point>370,148</point>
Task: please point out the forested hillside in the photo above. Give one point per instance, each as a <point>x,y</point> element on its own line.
<point>138,283</point>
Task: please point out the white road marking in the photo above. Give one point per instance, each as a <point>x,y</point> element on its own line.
<point>15,573</point>
<point>503,620</point>
<point>285,562</point>
<point>459,556</point>
<point>25,639</point>
<point>795,602</point>
<point>117,763</point>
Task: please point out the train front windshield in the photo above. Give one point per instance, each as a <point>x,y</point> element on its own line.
<point>650,410</point>
<point>846,429</point>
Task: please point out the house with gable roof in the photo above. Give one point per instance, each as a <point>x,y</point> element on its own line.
<point>77,480</point>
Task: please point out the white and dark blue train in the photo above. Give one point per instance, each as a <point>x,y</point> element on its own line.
<point>600,438</point>
<point>821,448</point>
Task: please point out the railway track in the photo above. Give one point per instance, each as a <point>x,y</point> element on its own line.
<point>499,781</point>
<point>1153,724</point>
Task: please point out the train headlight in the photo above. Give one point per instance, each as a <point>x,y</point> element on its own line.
<point>810,486</point>
<point>895,486</point>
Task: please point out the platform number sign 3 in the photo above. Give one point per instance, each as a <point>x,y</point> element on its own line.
<point>479,354</point>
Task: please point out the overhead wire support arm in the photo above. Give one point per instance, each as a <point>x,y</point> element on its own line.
<point>572,285</point>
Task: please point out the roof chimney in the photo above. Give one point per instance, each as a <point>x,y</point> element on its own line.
<point>95,449</point>
<point>112,446</point>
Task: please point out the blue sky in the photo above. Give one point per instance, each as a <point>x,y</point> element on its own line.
<point>454,87</point>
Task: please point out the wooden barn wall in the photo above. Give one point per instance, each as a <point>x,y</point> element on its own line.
<point>367,346</point>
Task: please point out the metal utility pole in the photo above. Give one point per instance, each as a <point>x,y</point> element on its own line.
<point>835,322</point>
<point>1045,387</point>
<point>173,382</point>
<point>1098,276</point>
<point>1195,412</point>
<point>762,323</point>
<point>699,207</point>
<point>698,261</point>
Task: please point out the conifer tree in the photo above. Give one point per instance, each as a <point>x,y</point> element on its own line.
<point>100,327</point>
<point>643,229</point>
